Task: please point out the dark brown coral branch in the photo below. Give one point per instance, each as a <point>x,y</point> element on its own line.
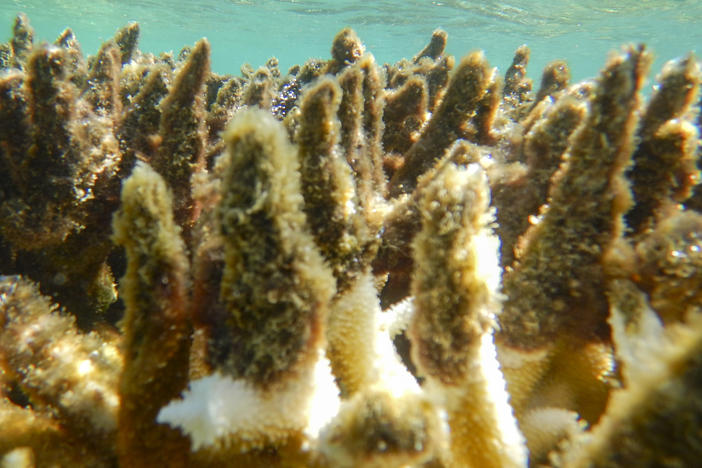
<point>346,49</point>
<point>435,48</point>
<point>182,135</point>
<point>265,236</point>
<point>127,39</point>
<point>555,78</point>
<point>405,112</point>
<point>517,85</point>
<point>664,163</point>
<point>332,206</point>
<point>457,109</point>
<point>259,91</point>
<point>102,92</point>
<point>544,146</point>
<point>22,40</point>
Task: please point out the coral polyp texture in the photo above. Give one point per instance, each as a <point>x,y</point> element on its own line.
<point>419,264</point>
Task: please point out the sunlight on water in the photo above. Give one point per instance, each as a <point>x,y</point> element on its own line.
<point>583,31</point>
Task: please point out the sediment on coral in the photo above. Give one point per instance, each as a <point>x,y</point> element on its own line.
<point>348,264</point>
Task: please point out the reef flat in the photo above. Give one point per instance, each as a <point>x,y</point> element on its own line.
<point>419,264</point>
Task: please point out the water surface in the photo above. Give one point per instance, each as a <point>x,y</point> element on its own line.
<point>582,32</point>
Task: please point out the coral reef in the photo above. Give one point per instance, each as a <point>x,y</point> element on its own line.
<point>420,264</point>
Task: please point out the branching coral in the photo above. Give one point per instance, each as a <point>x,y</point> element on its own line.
<point>348,265</point>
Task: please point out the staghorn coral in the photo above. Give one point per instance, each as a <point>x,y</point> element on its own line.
<point>415,264</point>
<point>156,325</point>
<point>455,288</point>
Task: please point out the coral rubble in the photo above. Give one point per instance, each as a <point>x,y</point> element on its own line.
<point>420,264</point>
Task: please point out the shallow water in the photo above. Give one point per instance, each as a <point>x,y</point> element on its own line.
<point>582,32</point>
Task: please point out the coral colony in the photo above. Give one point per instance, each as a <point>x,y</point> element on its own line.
<point>422,264</point>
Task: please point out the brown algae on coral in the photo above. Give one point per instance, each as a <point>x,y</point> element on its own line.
<point>420,264</point>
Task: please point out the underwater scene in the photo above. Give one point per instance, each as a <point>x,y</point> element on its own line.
<point>426,234</point>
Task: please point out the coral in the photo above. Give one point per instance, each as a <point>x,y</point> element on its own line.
<point>156,324</point>
<point>655,416</point>
<point>70,378</point>
<point>555,291</point>
<point>455,118</point>
<point>346,265</point>
<point>456,288</point>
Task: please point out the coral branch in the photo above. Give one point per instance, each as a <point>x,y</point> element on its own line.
<point>22,40</point>
<point>556,309</point>
<point>517,85</point>
<point>156,325</point>
<point>455,287</point>
<point>664,167</point>
<point>558,278</point>
<point>465,91</point>
<point>266,333</point>
<point>59,368</point>
<point>181,131</point>
<point>654,418</point>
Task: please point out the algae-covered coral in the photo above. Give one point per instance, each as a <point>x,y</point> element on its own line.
<point>348,265</point>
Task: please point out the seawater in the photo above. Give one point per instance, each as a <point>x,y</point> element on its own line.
<point>250,31</point>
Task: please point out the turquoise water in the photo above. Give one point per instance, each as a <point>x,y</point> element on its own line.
<point>581,32</point>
